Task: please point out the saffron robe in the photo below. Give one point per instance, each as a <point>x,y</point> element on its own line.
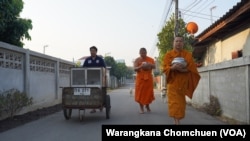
<point>179,84</point>
<point>144,84</point>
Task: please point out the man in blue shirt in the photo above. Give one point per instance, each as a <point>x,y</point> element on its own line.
<point>94,61</point>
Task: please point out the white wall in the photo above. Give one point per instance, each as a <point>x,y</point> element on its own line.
<point>38,75</point>
<point>228,81</point>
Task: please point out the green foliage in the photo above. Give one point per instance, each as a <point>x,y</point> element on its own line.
<point>166,37</point>
<point>130,72</point>
<point>1,104</point>
<point>13,29</point>
<point>110,61</point>
<point>78,64</point>
<point>118,70</point>
<point>12,101</point>
<point>121,70</point>
<point>213,108</point>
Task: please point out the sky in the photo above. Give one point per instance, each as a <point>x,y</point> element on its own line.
<point>66,29</point>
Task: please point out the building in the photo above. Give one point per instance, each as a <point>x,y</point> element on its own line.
<point>223,49</point>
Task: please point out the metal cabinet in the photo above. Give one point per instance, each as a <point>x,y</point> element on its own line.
<point>88,77</point>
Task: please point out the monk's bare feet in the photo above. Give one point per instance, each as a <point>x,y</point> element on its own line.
<point>141,111</point>
<point>148,108</point>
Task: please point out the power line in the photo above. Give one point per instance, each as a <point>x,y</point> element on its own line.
<point>192,5</point>
<point>185,13</point>
<point>195,5</point>
<point>198,17</point>
<point>162,24</point>
<point>205,6</point>
<point>202,7</point>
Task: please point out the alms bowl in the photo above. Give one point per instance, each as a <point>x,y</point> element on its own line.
<point>179,60</point>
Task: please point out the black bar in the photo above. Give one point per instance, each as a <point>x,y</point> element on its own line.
<point>160,132</point>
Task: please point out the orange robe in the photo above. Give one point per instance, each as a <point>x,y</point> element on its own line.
<point>144,85</point>
<point>180,84</point>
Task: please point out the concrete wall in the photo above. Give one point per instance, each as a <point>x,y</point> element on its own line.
<point>246,45</point>
<point>39,75</point>
<point>228,81</point>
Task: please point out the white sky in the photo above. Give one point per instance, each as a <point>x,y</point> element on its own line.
<point>116,27</point>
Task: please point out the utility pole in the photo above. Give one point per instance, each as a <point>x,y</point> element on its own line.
<point>44,48</point>
<point>176,18</point>
<point>211,13</point>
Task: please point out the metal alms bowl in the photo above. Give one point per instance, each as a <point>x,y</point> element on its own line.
<point>179,60</point>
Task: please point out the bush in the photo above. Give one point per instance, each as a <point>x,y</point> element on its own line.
<point>12,101</point>
<point>1,103</point>
<point>213,108</point>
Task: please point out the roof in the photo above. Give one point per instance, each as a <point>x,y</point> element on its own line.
<point>234,20</point>
<point>83,58</point>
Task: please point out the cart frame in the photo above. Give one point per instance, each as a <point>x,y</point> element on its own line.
<point>87,91</point>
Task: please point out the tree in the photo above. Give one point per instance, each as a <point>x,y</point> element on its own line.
<point>110,61</point>
<point>130,72</point>
<point>166,36</point>
<point>13,29</point>
<point>78,64</point>
<point>121,70</point>
<point>118,70</point>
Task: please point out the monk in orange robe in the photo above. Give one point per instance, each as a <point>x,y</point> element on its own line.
<point>181,79</point>
<point>144,85</point>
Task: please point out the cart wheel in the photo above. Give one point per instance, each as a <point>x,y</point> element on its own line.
<point>107,105</point>
<point>67,113</point>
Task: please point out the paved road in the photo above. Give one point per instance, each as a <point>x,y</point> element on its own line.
<point>124,110</point>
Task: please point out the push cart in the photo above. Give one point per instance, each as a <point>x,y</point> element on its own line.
<point>87,91</point>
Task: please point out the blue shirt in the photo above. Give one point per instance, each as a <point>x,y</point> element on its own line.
<point>97,62</point>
